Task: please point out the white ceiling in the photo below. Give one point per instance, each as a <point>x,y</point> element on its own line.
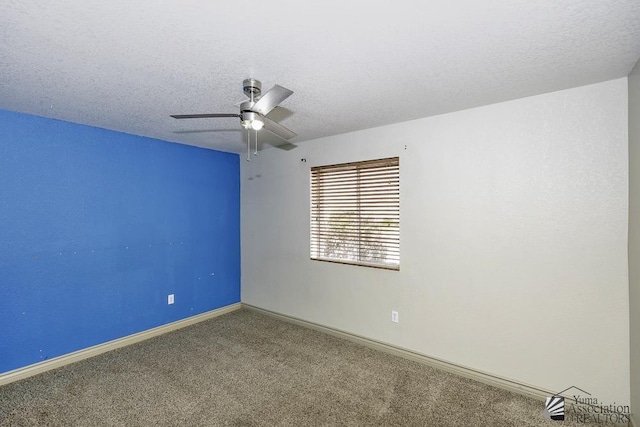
<point>126,65</point>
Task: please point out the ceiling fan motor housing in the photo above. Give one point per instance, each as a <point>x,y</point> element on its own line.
<point>247,106</point>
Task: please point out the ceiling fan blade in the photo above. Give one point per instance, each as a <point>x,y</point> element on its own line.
<point>202,116</point>
<point>278,129</point>
<point>271,99</point>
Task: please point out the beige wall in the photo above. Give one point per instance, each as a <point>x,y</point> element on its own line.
<point>634,235</point>
<point>513,239</point>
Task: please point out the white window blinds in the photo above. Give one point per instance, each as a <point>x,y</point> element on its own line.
<point>355,213</point>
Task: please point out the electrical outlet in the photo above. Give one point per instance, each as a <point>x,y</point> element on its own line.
<point>394,316</point>
<point>170,299</point>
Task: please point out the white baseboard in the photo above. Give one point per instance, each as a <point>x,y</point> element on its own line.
<point>463,371</point>
<point>76,356</point>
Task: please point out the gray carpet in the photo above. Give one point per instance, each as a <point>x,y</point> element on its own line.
<point>247,369</point>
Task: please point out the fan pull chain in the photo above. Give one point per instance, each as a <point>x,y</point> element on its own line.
<point>248,146</point>
<point>255,153</point>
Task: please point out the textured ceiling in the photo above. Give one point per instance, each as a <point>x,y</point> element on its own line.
<point>127,65</point>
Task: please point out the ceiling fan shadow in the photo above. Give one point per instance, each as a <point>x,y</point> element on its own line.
<point>287,146</point>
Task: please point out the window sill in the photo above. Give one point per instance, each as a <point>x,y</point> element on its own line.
<point>359,264</point>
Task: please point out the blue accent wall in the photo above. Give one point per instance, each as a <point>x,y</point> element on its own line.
<point>98,227</point>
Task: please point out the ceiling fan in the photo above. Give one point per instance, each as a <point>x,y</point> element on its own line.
<point>254,111</point>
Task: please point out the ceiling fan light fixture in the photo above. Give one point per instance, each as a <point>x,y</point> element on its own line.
<point>251,120</point>
<point>257,124</point>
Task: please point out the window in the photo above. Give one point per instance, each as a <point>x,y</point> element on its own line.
<point>355,213</point>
